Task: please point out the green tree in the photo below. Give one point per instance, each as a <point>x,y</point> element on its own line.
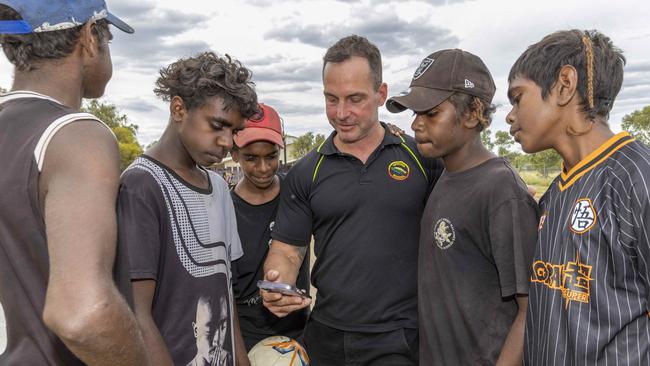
<point>306,143</point>
<point>486,139</point>
<point>545,162</point>
<point>125,132</point>
<point>503,142</point>
<point>638,124</point>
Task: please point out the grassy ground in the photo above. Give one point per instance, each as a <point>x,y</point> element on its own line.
<point>538,181</point>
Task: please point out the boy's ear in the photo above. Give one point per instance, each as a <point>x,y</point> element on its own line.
<point>566,85</point>
<point>177,109</point>
<point>472,121</point>
<point>88,42</point>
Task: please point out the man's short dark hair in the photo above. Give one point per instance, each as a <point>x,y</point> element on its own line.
<point>26,51</point>
<point>598,62</point>
<point>197,78</point>
<point>358,46</point>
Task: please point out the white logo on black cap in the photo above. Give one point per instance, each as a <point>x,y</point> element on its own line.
<point>469,84</point>
<point>424,66</point>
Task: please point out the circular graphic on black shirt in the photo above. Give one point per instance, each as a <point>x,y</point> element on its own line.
<point>444,234</point>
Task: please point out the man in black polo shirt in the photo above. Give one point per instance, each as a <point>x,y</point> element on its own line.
<point>361,194</point>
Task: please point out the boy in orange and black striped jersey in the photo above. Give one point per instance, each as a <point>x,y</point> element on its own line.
<point>590,282</point>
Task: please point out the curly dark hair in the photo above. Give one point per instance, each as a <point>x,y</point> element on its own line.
<point>359,46</point>
<point>465,104</point>
<point>26,51</point>
<point>197,78</point>
<point>598,62</point>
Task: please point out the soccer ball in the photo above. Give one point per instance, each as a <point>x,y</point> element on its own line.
<point>278,351</point>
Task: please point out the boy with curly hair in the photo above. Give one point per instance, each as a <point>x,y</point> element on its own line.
<point>177,218</point>
<point>590,278</point>
<point>478,228</point>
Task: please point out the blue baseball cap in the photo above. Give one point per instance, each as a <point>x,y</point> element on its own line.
<point>51,15</point>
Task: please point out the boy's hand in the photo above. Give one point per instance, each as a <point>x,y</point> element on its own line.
<point>395,130</point>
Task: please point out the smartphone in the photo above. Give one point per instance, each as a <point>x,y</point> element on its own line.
<point>282,288</point>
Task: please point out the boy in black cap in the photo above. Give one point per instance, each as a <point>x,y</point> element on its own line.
<point>479,226</point>
<point>590,283</point>
<point>59,266</point>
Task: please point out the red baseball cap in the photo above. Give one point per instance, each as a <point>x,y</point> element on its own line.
<point>264,126</point>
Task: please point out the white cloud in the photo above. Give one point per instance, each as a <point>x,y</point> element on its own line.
<point>283,42</point>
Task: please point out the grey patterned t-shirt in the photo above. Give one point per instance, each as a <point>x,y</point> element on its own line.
<point>183,237</point>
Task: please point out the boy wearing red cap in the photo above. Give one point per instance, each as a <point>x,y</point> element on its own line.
<point>256,197</point>
<point>478,228</point>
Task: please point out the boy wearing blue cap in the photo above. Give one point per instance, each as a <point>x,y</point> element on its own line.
<point>60,273</point>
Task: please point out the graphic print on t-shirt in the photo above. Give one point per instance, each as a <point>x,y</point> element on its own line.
<point>444,233</point>
<point>190,222</point>
<point>212,332</point>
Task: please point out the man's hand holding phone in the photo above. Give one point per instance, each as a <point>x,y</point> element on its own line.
<point>280,298</point>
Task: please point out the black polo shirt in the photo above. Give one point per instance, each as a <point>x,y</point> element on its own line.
<point>365,221</point>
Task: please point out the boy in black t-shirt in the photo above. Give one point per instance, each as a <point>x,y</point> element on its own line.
<point>479,226</point>
<point>178,221</point>
<point>256,197</point>
<point>590,283</point>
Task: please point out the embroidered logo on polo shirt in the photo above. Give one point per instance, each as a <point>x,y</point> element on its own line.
<point>583,216</point>
<point>399,170</point>
<point>444,233</point>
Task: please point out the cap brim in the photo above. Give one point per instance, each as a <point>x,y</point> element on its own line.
<point>418,99</point>
<point>15,27</point>
<point>249,135</point>
<point>119,23</point>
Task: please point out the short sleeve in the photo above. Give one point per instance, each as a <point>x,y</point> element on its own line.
<point>293,223</point>
<point>139,221</point>
<point>236,249</point>
<point>513,235</point>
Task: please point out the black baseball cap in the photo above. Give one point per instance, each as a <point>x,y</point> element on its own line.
<point>440,75</point>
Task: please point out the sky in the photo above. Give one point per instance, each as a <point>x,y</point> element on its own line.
<point>283,43</point>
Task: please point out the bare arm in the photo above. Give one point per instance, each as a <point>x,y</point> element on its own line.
<point>143,292</point>
<point>240,347</point>
<point>282,265</point>
<point>78,190</point>
<point>512,352</point>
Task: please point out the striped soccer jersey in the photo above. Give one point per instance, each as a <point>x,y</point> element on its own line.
<point>590,283</point>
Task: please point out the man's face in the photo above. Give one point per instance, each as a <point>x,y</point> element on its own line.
<point>206,132</point>
<point>351,101</point>
<point>437,131</point>
<point>534,122</point>
<point>259,161</point>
